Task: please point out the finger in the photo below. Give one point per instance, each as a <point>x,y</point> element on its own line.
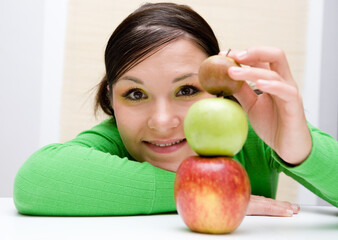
<point>252,74</point>
<point>246,97</point>
<point>272,209</point>
<point>274,56</point>
<point>233,53</point>
<point>230,53</point>
<point>262,65</point>
<point>260,206</point>
<point>278,89</point>
<point>295,208</point>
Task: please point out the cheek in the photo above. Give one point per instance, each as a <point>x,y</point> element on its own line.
<point>129,131</point>
<point>125,120</point>
<point>130,122</point>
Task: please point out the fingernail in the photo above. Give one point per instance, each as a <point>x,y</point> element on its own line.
<point>241,54</point>
<point>295,207</point>
<point>289,212</point>
<point>236,69</point>
<point>223,53</point>
<point>262,83</point>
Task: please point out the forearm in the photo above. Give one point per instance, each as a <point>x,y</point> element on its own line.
<point>318,172</point>
<point>74,180</point>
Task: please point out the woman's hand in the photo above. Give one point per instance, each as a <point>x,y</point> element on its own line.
<point>277,115</point>
<point>261,206</point>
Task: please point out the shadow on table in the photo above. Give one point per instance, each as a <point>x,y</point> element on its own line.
<point>322,211</point>
<point>237,232</point>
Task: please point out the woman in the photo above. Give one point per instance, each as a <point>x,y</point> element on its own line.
<point>126,164</point>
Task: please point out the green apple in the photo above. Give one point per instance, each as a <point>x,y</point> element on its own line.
<point>216,127</point>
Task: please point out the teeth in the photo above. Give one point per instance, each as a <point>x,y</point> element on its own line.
<point>167,144</point>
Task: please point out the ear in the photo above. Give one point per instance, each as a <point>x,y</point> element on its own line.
<point>109,96</point>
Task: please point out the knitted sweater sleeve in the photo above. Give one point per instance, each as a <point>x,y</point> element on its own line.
<point>91,175</point>
<point>319,172</point>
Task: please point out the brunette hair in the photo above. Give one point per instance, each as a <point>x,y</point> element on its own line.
<point>144,32</point>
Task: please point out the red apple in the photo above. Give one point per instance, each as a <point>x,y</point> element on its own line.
<point>211,194</point>
<point>214,78</point>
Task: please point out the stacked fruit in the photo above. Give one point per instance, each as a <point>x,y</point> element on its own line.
<point>212,190</point>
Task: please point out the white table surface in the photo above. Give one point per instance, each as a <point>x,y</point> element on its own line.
<point>312,222</point>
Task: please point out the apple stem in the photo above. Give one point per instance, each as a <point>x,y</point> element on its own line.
<point>228,52</point>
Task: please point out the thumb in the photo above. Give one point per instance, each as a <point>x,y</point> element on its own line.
<point>246,97</point>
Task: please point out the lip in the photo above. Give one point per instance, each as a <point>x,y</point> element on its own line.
<point>165,149</point>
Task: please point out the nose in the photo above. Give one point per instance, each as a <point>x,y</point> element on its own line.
<point>163,117</point>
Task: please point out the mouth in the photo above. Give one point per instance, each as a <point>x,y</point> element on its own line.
<point>165,146</point>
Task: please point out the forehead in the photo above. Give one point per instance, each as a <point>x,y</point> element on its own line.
<point>179,55</point>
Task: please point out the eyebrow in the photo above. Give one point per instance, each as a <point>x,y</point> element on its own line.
<point>177,79</point>
<point>136,80</point>
<point>184,76</point>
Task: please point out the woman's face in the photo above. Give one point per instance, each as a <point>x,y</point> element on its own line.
<point>151,100</point>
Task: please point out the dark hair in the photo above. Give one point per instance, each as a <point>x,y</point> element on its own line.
<point>144,32</point>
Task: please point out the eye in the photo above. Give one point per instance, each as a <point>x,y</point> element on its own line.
<point>135,94</point>
<point>187,90</point>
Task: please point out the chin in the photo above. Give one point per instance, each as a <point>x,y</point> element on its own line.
<point>170,161</point>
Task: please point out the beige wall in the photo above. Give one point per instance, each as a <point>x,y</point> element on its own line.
<point>238,24</point>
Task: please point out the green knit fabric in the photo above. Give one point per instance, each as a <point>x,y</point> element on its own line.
<point>94,175</point>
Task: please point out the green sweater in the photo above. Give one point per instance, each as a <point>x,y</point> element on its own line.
<point>94,174</point>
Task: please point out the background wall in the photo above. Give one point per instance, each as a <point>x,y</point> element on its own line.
<point>32,39</point>
<point>321,85</point>
<point>237,24</point>
<point>51,58</point>
<point>20,91</point>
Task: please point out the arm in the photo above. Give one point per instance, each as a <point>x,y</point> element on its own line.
<point>85,177</point>
<point>318,172</point>
<point>278,118</point>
